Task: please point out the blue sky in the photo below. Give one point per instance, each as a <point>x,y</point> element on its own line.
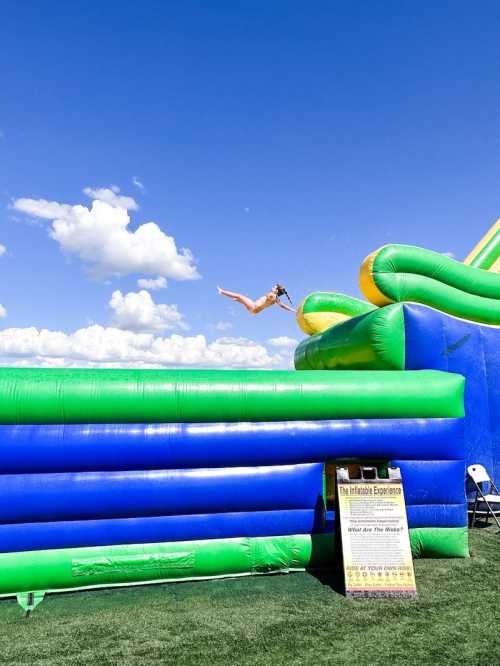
<point>277,141</point>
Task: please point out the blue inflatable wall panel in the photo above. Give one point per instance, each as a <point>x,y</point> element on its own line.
<point>76,533</point>
<point>94,495</point>
<point>74,448</point>
<point>439,341</point>
<point>432,482</point>
<point>437,515</point>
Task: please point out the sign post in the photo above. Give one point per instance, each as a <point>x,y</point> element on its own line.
<point>375,541</point>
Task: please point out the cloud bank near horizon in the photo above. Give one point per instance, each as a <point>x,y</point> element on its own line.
<point>109,346</point>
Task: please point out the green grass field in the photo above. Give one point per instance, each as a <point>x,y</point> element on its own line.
<point>292,619</point>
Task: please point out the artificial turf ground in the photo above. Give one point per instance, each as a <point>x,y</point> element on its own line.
<point>291,619</point>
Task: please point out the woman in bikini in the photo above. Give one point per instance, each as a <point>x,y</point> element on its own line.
<point>254,307</point>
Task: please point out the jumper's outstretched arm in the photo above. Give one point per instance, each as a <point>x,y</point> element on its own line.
<point>285,306</point>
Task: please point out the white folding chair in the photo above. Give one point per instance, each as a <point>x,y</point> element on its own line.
<point>487,501</point>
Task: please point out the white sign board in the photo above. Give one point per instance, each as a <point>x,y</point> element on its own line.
<point>374,530</point>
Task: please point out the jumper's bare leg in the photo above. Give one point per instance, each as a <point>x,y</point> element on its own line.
<point>240,298</point>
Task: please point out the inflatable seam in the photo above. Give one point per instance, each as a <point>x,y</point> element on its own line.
<point>488,393</point>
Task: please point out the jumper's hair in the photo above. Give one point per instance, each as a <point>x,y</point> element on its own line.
<point>283,292</point>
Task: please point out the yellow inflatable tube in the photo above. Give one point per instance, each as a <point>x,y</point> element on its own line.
<point>486,254</point>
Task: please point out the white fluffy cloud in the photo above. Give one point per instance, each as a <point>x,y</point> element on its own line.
<point>46,210</point>
<point>3,250</point>
<point>136,311</point>
<point>153,284</point>
<point>98,346</point>
<point>100,237</point>
<point>112,196</point>
<point>283,341</point>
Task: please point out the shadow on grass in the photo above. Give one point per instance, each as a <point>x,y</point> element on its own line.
<point>332,578</point>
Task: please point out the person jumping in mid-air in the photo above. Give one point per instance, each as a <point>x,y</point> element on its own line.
<point>254,307</point>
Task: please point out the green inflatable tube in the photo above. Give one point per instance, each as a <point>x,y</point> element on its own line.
<point>323,309</point>
<point>332,301</point>
<point>103,566</point>
<point>400,273</point>
<point>120,565</point>
<point>439,542</point>
<point>374,341</point>
<point>146,396</point>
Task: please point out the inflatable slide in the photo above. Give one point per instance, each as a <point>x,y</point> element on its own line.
<point>120,477</point>
<point>426,311</point>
